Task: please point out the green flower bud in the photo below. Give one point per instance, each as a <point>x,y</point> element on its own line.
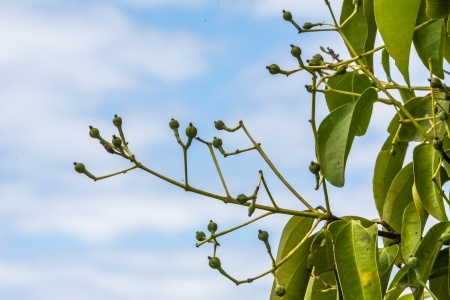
<point>341,70</point>
<point>94,132</point>
<point>212,227</point>
<point>309,88</point>
<point>435,83</point>
<point>214,262</point>
<point>200,236</point>
<point>191,131</point>
<point>314,167</point>
<point>287,15</point>
<point>308,25</point>
<point>296,51</point>
<point>443,116</point>
<point>263,235</point>
<point>413,261</point>
<point>79,167</point>
<point>316,60</point>
<point>117,141</point>
<point>438,144</point>
<point>280,290</point>
<point>242,199</point>
<point>217,142</point>
<point>117,121</point>
<point>273,69</point>
<point>174,124</point>
<point>251,209</point>
<point>219,124</point>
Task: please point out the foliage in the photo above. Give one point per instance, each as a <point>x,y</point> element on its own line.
<point>323,256</point>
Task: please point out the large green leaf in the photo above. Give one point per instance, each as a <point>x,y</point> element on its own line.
<point>440,287</point>
<point>396,22</point>
<point>429,42</point>
<point>293,274</point>
<point>320,258</point>
<point>386,258</point>
<point>337,132</point>
<point>426,254</point>
<point>411,231</point>
<point>423,214</point>
<point>355,250</point>
<point>398,197</point>
<point>387,166</point>
<point>369,12</point>
<point>426,162</point>
<point>356,29</point>
<point>437,9</point>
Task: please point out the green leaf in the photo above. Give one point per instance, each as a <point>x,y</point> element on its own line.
<point>440,287</point>
<point>355,30</point>
<point>351,82</point>
<point>369,12</point>
<point>447,44</point>
<point>398,284</point>
<point>320,258</point>
<point>426,162</point>
<point>396,22</point>
<point>406,94</point>
<point>419,206</point>
<point>441,264</point>
<point>337,132</point>
<point>386,64</point>
<point>418,107</point>
<point>386,259</point>
<point>386,168</point>
<point>355,250</point>
<point>438,9</point>
<point>293,274</point>
<point>426,255</point>
<point>317,290</point>
<point>411,231</point>
<point>398,197</point>
<point>429,42</point>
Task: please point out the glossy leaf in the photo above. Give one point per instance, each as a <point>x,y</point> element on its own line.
<point>369,12</point>
<point>337,132</point>
<point>429,42</point>
<point>386,64</point>
<point>440,287</point>
<point>396,22</point>
<point>355,249</point>
<point>293,273</point>
<point>411,231</point>
<point>386,168</point>
<point>441,264</point>
<point>437,9</point>
<point>426,162</point>
<point>398,198</point>
<point>386,258</point>
<point>423,214</point>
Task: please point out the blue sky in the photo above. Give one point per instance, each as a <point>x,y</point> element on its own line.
<point>66,65</point>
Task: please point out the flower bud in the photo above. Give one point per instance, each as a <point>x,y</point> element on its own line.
<point>79,167</point>
<point>214,262</point>
<point>308,25</point>
<point>413,261</point>
<point>341,70</point>
<point>316,60</point>
<point>438,144</point>
<point>94,132</point>
<point>314,167</point>
<point>212,227</point>
<point>174,124</point>
<point>263,235</point>
<point>296,51</point>
<point>191,131</point>
<point>273,69</point>
<point>117,121</point>
<point>251,209</point>
<point>200,236</point>
<point>287,15</point>
<point>242,199</point>
<point>116,141</point>
<point>435,83</point>
<point>217,142</point>
<point>219,124</point>
<point>280,290</point>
